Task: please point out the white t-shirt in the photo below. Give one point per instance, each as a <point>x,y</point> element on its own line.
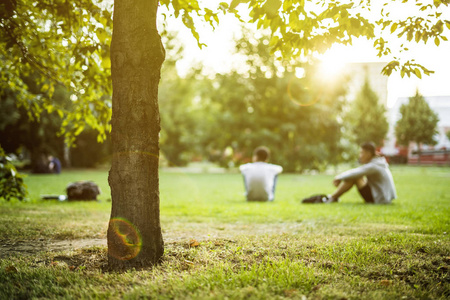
<point>259,178</point>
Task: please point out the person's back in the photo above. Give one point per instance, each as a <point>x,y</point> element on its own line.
<point>260,176</point>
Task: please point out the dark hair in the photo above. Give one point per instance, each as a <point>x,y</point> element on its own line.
<point>262,153</point>
<point>369,147</point>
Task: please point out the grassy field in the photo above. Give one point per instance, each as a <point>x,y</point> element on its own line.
<point>247,250</point>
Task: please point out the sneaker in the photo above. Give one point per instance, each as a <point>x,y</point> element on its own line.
<point>329,200</point>
<point>322,198</point>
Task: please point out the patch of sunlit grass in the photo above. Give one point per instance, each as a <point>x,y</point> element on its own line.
<point>241,250</point>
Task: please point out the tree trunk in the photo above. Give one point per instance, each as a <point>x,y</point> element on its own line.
<point>134,232</point>
<point>39,161</point>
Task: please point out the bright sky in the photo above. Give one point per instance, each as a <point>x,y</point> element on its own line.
<point>217,56</point>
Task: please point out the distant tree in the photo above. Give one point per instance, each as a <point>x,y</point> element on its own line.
<point>448,134</point>
<point>418,122</point>
<point>367,117</point>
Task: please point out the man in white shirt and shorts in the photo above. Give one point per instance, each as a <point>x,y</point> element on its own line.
<point>260,177</point>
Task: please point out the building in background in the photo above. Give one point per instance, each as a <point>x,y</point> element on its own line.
<point>358,72</point>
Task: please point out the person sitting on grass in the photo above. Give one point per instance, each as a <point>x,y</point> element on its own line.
<point>373,180</point>
<point>54,164</point>
<point>260,177</point>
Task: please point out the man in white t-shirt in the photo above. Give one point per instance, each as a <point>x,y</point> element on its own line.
<point>260,177</point>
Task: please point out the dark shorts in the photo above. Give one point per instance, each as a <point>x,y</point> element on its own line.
<point>366,193</point>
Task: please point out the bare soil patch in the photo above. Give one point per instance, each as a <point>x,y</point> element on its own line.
<point>184,232</point>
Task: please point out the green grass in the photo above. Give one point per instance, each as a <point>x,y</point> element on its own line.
<point>247,250</point>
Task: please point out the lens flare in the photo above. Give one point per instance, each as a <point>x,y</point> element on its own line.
<point>300,94</point>
<point>126,238</point>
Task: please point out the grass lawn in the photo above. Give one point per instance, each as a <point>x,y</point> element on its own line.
<point>52,249</point>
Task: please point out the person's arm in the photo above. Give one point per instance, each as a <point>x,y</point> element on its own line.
<point>278,169</point>
<point>358,172</point>
<point>244,167</point>
<point>275,169</point>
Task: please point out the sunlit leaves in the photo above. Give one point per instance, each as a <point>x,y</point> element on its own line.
<point>271,7</point>
<point>301,27</point>
<point>407,68</point>
<point>58,43</point>
<point>235,3</point>
<point>394,27</point>
<point>380,46</point>
<point>187,9</point>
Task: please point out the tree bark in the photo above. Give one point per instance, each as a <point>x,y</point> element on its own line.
<point>134,232</point>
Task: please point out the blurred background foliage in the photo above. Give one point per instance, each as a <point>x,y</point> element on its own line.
<point>55,86</point>
<point>290,107</point>
<point>223,118</point>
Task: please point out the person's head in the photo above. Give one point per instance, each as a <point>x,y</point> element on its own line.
<point>367,152</point>
<point>261,153</point>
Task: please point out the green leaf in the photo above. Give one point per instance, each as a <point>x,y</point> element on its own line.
<point>418,73</point>
<point>418,36</point>
<point>106,62</point>
<point>79,130</point>
<point>223,5</point>
<point>394,27</point>
<point>271,7</point>
<point>437,41</point>
<point>235,3</point>
<point>273,41</point>
<point>409,35</point>
<point>287,4</point>
<point>101,35</point>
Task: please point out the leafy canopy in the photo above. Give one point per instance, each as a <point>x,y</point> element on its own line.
<point>58,42</point>
<point>300,27</point>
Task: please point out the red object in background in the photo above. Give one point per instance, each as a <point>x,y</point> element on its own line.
<point>430,157</point>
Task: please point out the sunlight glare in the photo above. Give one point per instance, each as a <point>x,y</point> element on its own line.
<point>333,63</point>
<point>299,72</point>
